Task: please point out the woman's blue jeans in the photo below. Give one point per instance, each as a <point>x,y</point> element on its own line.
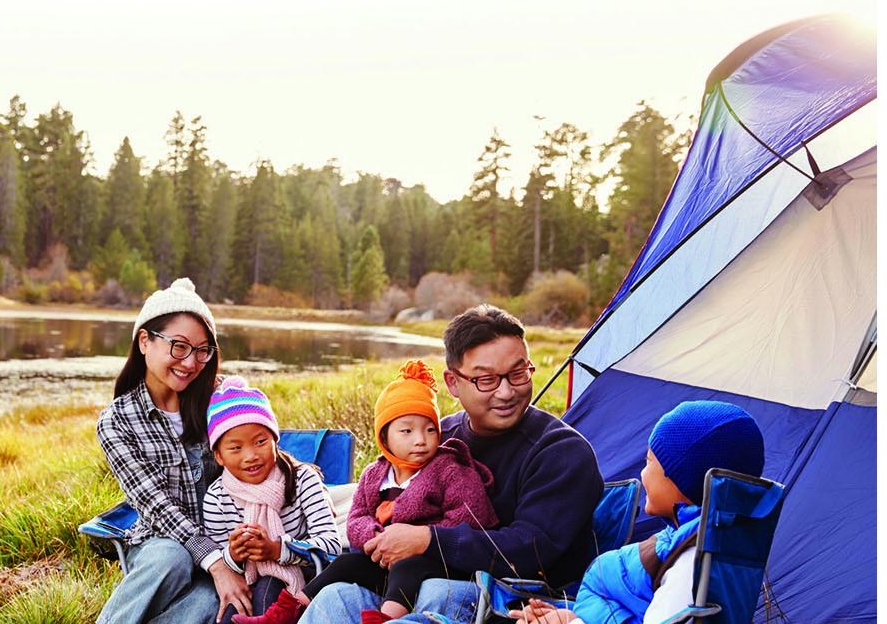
<point>163,586</point>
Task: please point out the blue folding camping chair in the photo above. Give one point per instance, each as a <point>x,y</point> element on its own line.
<point>331,450</point>
<point>613,521</point>
<point>739,518</point>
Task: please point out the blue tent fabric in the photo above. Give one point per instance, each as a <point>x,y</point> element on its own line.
<point>833,493</point>
<point>832,580</point>
<point>617,413</point>
<point>782,101</point>
<point>740,221</point>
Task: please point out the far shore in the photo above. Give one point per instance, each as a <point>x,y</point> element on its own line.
<point>220,310</point>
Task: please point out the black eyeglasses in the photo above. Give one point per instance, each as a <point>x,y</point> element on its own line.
<point>180,350</point>
<point>488,383</point>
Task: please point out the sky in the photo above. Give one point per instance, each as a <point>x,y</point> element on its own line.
<point>408,89</point>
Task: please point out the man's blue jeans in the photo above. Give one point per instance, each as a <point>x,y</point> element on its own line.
<point>342,603</point>
<point>163,586</point>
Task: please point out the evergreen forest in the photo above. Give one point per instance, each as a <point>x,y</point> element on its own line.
<point>303,237</point>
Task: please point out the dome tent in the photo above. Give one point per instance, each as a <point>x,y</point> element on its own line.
<point>757,285</point>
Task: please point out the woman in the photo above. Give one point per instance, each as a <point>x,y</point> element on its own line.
<point>154,437</point>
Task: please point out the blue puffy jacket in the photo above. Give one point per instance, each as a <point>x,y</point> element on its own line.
<point>618,586</point>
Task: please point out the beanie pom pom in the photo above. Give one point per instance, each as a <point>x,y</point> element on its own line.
<point>419,371</point>
<point>234,381</point>
<point>184,283</point>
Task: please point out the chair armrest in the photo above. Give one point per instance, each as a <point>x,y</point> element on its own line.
<point>692,612</point>
<point>317,556</point>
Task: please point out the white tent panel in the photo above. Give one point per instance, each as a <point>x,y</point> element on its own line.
<point>786,319</point>
<point>711,249</point>
<point>689,269</point>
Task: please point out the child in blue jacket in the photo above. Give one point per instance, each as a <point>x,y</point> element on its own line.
<point>651,581</point>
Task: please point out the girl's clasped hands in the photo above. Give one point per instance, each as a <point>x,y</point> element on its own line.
<point>251,542</point>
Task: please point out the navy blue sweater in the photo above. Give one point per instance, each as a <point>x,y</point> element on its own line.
<point>546,486</point>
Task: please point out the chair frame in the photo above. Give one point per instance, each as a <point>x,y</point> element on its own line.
<point>701,608</point>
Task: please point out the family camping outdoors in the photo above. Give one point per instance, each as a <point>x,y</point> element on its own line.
<point>640,389</point>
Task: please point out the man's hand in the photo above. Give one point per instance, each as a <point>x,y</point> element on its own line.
<point>232,589</point>
<point>540,612</point>
<point>396,542</point>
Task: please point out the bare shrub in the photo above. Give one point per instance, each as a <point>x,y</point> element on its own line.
<point>55,266</point>
<point>555,299</point>
<point>8,275</point>
<point>447,295</point>
<point>111,294</point>
<point>393,300</point>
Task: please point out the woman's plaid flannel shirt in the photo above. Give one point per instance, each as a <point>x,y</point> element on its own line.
<point>152,468</point>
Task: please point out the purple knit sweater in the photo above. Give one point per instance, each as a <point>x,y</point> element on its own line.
<point>451,488</point>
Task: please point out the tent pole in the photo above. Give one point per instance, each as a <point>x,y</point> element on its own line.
<point>554,377</point>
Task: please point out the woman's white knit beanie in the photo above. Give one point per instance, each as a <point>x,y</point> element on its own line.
<point>181,296</point>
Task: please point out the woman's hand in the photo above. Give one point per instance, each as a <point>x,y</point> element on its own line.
<point>232,589</point>
<point>539,611</point>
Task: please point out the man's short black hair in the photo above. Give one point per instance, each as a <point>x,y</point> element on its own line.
<point>476,326</point>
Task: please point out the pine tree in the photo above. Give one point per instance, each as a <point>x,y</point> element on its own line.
<point>58,209</point>
<point>368,277</point>
<point>484,191</point>
<point>165,234</point>
<point>126,198</point>
<point>647,150</point>
<point>109,257</point>
<point>12,214</point>
<point>192,199</point>
<point>394,233</point>
<point>223,213</point>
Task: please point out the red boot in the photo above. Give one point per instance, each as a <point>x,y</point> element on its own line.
<point>371,616</point>
<point>287,610</point>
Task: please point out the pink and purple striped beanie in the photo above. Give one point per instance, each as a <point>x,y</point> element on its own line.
<point>233,404</point>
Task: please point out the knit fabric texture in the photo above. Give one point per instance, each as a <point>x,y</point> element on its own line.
<point>233,404</point>
<point>262,503</point>
<point>698,435</point>
<point>181,296</point>
<point>413,391</point>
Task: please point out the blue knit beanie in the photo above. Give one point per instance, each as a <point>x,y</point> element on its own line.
<point>698,435</point>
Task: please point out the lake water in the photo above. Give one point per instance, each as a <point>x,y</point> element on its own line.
<point>290,344</point>
<point>71,356</point>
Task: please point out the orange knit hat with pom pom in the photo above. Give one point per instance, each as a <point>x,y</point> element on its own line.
<point>413,391</point>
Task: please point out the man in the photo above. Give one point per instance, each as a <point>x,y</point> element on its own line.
<point>546,477</point>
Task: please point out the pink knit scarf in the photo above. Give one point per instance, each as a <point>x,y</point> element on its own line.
<point>261,504</point>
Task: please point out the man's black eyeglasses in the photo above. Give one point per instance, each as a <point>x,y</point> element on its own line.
<point>488,383</point>
<point>180,350</point>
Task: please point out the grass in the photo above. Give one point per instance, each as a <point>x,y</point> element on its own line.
<point>53,475</point>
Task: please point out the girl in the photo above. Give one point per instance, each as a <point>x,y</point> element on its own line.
<point>263,498</point>
<point>416,481</point>
<point>154,437</point>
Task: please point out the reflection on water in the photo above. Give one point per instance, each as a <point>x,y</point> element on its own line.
<point>289,343</point>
